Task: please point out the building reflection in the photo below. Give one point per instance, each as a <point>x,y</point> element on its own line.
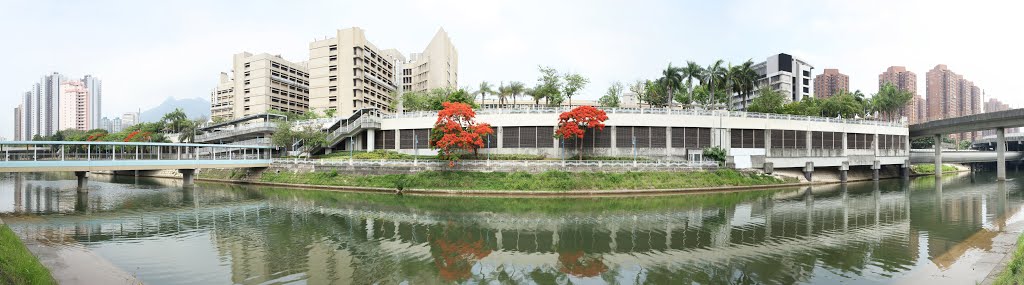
<point>273,236</point>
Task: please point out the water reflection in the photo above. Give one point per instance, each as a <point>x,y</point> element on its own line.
<point>214,233</point>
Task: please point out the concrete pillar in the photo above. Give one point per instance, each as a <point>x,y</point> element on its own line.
<point>769,168</point>
<point>1000,154</point>
<point>906,169</point>
<point>938,154</point>
<point>615,146</point>
<point>187,177</point>
<point>809,170</point>
<point>767,143</point>
<point>844,143</point>
<point>83,180</point>
<point>875,168</point>
<point>808,144</point>
<point>370,139</point>
<point>82,202</point>
<point>844,172</point>
<point>499,133</point>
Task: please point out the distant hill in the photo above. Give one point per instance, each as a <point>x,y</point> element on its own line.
<point>194,107</point>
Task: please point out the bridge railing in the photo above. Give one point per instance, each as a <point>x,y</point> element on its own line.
<point>119,151</point>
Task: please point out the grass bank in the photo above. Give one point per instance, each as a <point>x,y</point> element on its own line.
<point>547,181</point>
<point>1014,272</point>
<point>930,168</point>
<point>17,264</point>
<point>394,155</point>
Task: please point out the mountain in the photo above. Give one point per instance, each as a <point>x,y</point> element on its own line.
<point>194,107</point>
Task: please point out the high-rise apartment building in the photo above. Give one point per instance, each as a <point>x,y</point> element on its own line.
<point>943,90</point>
<point>950,96</point>
<point>107,124</point>
<point>831,83</point>
<point>129,119</point>
<point>260,83</point>
<point>435,67</point>
<point>95,88</point>
<point>994,105</point>
<point>17,123</point>
<point>348,72</point>
<point>905,80</point>
<point>784,73</point>
<point>75,106</point>
<point>41,106</point>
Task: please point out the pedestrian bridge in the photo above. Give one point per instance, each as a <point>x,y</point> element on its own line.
<point>963,156</point>
<point>83,157</point>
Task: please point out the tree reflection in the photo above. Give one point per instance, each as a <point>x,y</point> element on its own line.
<point>578,264</point>
<point>455,250</point>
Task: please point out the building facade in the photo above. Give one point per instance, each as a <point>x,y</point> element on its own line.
<point>260,83</point>
<point>994,105</point>
<point>905,80</point>
<point>129,119</point>
<point>95,88</point>
<point>435,67</point>
<point>75,106</point>
<point>783,73</point>
<point>831,83</point>
<point>950,96</point>
<point>17,123</point>
<point>348,72</point>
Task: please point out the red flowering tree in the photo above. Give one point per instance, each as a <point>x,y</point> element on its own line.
<point>576,263</point>
<point>575,123</point>
<point>456,132</point>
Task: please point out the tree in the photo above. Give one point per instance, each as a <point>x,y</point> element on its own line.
<point>768,101</point>
<point>329,112</point>
<point>549,86</point>
<point>655,93</point>
<point>535,94</point>
<point>714,78</point>
<point>574,82</point>
<point>746,77</point>
<point>639,89</point>
<point>485,88</point>
<point>611,98</point>
<point>175,120</point>
<point>890,100</point>
<point>671,80</point>
<point>456,132</point>
<point>574,123</point>
<point>283,136</point>
<point>683,95</point>
<point>503,93</point>
<point>516,88</point>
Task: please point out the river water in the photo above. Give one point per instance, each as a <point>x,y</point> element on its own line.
<point>950,231</point>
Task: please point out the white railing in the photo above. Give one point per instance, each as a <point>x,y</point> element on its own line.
<point>507,163</point>
<point>125,151</point>
<point>233,131</point>
<point>664,111</point>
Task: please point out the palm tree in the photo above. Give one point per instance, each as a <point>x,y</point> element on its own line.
<point>672,79</point>
<point>690,71</point>
<point>714,78</point>
<point>748,80</point>
<point>536,94</point>
<point>502,94</point>
<point>517,88</point>
<point>485,88</point>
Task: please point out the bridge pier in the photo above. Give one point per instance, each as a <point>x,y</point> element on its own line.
<point>875,168</point>
<point>938,155</point>
<point>906,170</point>
<point>844,172</point>
<point>809,170</point>
<point>187,177</point>
<point>83,180</point>
<point>1000,154</point>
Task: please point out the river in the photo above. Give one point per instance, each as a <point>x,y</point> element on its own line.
<point>950,231</point>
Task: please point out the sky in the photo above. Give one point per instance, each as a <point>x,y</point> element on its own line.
<point>146,51</point>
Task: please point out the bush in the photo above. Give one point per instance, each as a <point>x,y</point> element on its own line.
<point>715,153</point>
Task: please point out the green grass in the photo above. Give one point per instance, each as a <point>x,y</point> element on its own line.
<point>930,168</point>
<point>1014,272</point>
<point>546,181</point>
<point>390,154</point>
<point>17,264</point>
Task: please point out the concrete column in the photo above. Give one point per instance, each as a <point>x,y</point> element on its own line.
<point>398,142</point>
<point>875,167</point>
<point>1000,154</point>
<point>844,172</point>
<point>906,169</point>
<point>371,136</point>
<point>83,180</point>
<point>809,170</point>
<point>938,155</point>
<point>187,177</point>
<point>767,143</point>
<point>808,144</point>
<point>499,133</point>
<point>874,143</point>
<point>615,147</point>
<point>844,143</point>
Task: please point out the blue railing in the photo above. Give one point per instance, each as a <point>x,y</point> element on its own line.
<point>14,151</point>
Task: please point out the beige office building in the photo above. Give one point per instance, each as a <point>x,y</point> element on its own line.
<point>75,107</point>
<point>348,72</point>
<point>435,67</point>
<point>260,83</point>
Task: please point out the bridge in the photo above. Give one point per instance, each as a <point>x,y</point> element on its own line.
<point>986,121</point>
<point>83,157</point>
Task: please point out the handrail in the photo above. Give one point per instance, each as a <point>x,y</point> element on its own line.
<point>664,111</point>
<point>43,143</point>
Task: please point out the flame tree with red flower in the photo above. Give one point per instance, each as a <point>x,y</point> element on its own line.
<point>575,123</point>
<point>456,132</point>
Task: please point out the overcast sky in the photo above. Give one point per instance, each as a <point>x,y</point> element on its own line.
<point>145,51</point>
